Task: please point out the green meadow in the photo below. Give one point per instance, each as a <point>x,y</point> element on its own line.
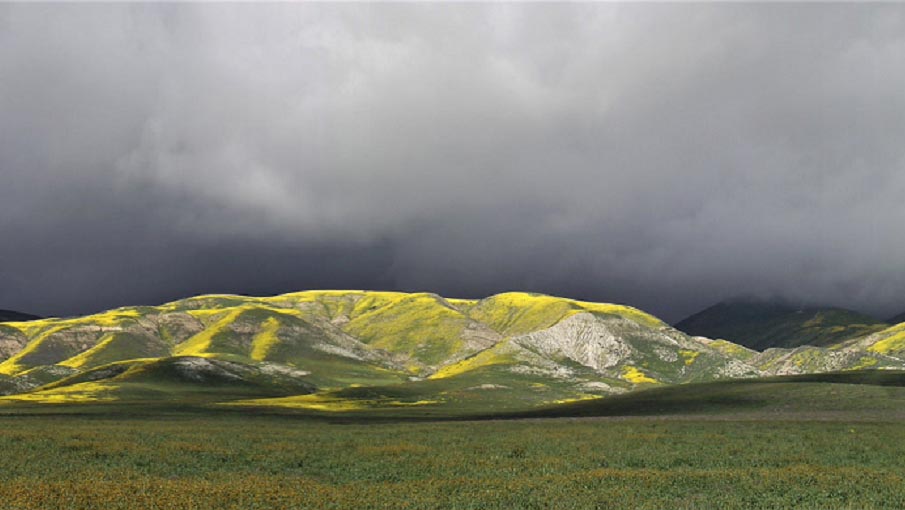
<point>227,460</point>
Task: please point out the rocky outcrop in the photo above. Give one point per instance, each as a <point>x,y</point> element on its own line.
<point>11,341</point>
<point>594,342</point>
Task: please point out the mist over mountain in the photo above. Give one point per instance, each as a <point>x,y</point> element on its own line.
<point>765,323</point>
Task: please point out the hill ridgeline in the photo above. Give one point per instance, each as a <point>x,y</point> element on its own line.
<point>333,350</point>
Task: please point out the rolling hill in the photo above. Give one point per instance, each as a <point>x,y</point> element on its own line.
<point>858,392</point>
<point>760,325</point>
<point>10,315</point>
<point>897,319</point>
<point>183,379</point>
<point>386,351</point>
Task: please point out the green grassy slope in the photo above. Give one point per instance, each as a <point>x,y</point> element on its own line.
<point>851,393</point>
<point>118,346</point>
<point>486,389</point>
<point>256,333</point>
<point>888,342</point>
<point>178,380</point>
<point>517,313</point>
<point>9,385</point>
<point>424,328</point>
<point>762,324</point>
<point>242,329</point>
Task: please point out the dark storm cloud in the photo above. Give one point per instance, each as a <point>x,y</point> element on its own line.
<point>662,155</point>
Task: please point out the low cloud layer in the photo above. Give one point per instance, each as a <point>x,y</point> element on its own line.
<point>666,156</point>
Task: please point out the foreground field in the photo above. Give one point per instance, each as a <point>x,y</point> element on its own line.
<point>200,461</point>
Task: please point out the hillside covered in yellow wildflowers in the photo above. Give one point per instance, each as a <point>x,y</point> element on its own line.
<point>342,350</point>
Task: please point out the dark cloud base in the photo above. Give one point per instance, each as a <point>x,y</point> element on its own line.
<point>664,156</point>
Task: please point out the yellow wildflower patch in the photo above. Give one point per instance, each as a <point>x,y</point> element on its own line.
<point>892,343</point>
<point>320,402</point>
<point>266,339</point>
<point>636,376</point>
<point>485,358</point>
<point>579,398</point>
<point>77,393</point>
<point>689,356</point>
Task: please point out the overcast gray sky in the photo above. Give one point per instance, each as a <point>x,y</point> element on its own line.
<point>666,156</point>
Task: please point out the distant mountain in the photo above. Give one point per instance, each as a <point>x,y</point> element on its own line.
<point>761,324</point>
<point>11,316</point>
<point>348,350</point>
<point>897,319</point>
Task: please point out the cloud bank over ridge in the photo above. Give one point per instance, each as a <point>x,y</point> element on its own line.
<point>666,156</point>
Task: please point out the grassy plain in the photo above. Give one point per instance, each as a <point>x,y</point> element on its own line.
<point>827,441</point>
<point>196,460</point>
